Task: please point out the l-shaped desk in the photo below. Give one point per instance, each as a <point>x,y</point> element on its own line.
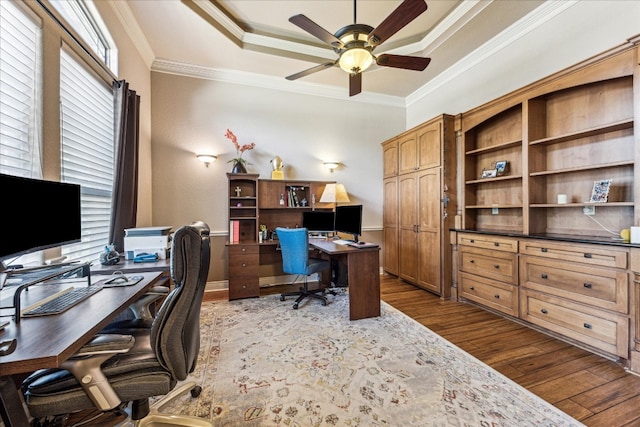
<point>363,270</point>
<point>45,342</point>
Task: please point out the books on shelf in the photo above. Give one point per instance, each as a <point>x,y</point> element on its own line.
<point>234,231</point>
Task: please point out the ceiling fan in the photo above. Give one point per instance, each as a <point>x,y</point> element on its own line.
<point>355,44</point>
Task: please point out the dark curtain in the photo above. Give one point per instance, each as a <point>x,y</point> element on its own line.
<point>125,187</point>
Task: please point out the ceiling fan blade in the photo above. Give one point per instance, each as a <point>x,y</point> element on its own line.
<point>402,61</point>
<point>315,30</point>
<point>355,83</point>
<point>311,70</point>
<point>405,13</point>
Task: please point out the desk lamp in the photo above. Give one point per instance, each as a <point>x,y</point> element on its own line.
<point>334,193</point>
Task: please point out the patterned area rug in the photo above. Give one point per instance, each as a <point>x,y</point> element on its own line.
<point>264,364</point>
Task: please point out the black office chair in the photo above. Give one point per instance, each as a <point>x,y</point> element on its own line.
<point>114,369</point>
<point>294,244</point>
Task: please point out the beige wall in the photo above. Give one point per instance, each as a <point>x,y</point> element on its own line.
<point>191,115</point>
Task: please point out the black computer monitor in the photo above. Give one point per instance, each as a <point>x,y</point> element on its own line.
<point>37,215</point>
<point>318,221</point>
<point>349,220</point>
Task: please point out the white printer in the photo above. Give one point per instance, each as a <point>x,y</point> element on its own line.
<point>147,240</point>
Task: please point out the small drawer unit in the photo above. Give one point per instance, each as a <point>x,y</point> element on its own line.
<point>244,274</point>
<point>603,330</point>
<point>489,271</point>
<point>490,293</point>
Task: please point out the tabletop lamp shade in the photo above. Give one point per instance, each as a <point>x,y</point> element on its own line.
<point>334,193</point>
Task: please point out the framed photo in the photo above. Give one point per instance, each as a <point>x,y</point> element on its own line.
<point>489,173</point>
<point>600,192</point>
<point>501,167</point>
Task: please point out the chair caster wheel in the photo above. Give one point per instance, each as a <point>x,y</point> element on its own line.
<point>324,303</point>
<point>295,306</point>
<point>195,391</point>
<point>281,298</point>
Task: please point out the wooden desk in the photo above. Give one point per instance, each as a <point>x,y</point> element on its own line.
<point>130,267</point>
<point>363,269</point>
<point>47,341</point>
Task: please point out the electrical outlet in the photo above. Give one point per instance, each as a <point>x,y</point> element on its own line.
<point>494,211</point>
<point>589,210</point>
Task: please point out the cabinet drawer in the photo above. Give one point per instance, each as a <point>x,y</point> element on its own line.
<point>605,256</point>
<point>497,243</point>
<point>600,329</point>
<point>240,249</point>
<point>602,287</point>
<point>244,265</point>
<point>244,287</point>
<point>497,265</point>
<point>497,295</point>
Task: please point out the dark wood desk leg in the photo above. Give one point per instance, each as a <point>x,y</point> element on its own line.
<point>364,284</point>
<point>11,409</point>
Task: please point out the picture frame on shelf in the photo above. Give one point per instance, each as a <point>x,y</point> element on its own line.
<point>489,173</point>
<point>600,191</point>
<point>501,167</point>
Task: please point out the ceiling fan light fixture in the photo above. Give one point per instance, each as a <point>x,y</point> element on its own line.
<point>355,60</point>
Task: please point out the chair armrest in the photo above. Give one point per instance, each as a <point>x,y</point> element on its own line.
<point>85,367</point>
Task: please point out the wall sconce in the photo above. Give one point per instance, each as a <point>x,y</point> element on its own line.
<point>331,165</point>
<point>206,158</point>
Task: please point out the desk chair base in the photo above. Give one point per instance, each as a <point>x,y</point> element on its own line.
<point>304,292</point>
<point>157,419</point>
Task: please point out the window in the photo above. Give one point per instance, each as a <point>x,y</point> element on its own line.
<point>20,88</point>
<point>87,121</point>
<point>85,104</point>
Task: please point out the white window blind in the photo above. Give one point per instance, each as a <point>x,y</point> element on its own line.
<point>87,122</point>
<point>20,88</point>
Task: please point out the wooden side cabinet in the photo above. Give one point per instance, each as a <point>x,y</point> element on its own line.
<point>243,249</point>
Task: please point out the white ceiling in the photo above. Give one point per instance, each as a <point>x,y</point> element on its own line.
<point>252,41</point>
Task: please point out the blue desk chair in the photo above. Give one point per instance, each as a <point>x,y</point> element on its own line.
<point>294,243</point>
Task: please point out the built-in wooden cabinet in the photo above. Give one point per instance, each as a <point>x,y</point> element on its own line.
<point>557,137</point>
<point>419,204</point>
<point>553,262</point>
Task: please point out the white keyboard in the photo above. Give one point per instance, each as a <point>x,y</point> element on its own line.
<point>342,242</point>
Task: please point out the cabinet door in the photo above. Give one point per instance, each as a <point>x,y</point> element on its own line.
<point>429,218</point>
<point>429,145</point>
<point>407,235</point>
<point>390,158</point>
<point>407,153</point>
<point>270,192</point>
<point>390,224</point>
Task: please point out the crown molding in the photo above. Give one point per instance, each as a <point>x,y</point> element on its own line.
<point>123,12</point>
<point>270,82</point>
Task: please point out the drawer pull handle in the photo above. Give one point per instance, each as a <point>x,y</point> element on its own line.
<point>244,265</point>
<point>543,249</point>
<point>588,285</point>
<point>243,249</point>
<point>472,261</point>
<point>544,311</point>
<point>544,276</point>
<point>587,255</point>
<point>472,241</point>
<point>496,296</point>
<point>587,326</point>
<point>496,266</point>
<point>472,288</point>
<point>496,244</point>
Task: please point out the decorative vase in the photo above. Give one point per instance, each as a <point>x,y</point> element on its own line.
<point>238,167</point>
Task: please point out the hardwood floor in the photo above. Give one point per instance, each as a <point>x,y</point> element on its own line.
<point>594,390</point>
